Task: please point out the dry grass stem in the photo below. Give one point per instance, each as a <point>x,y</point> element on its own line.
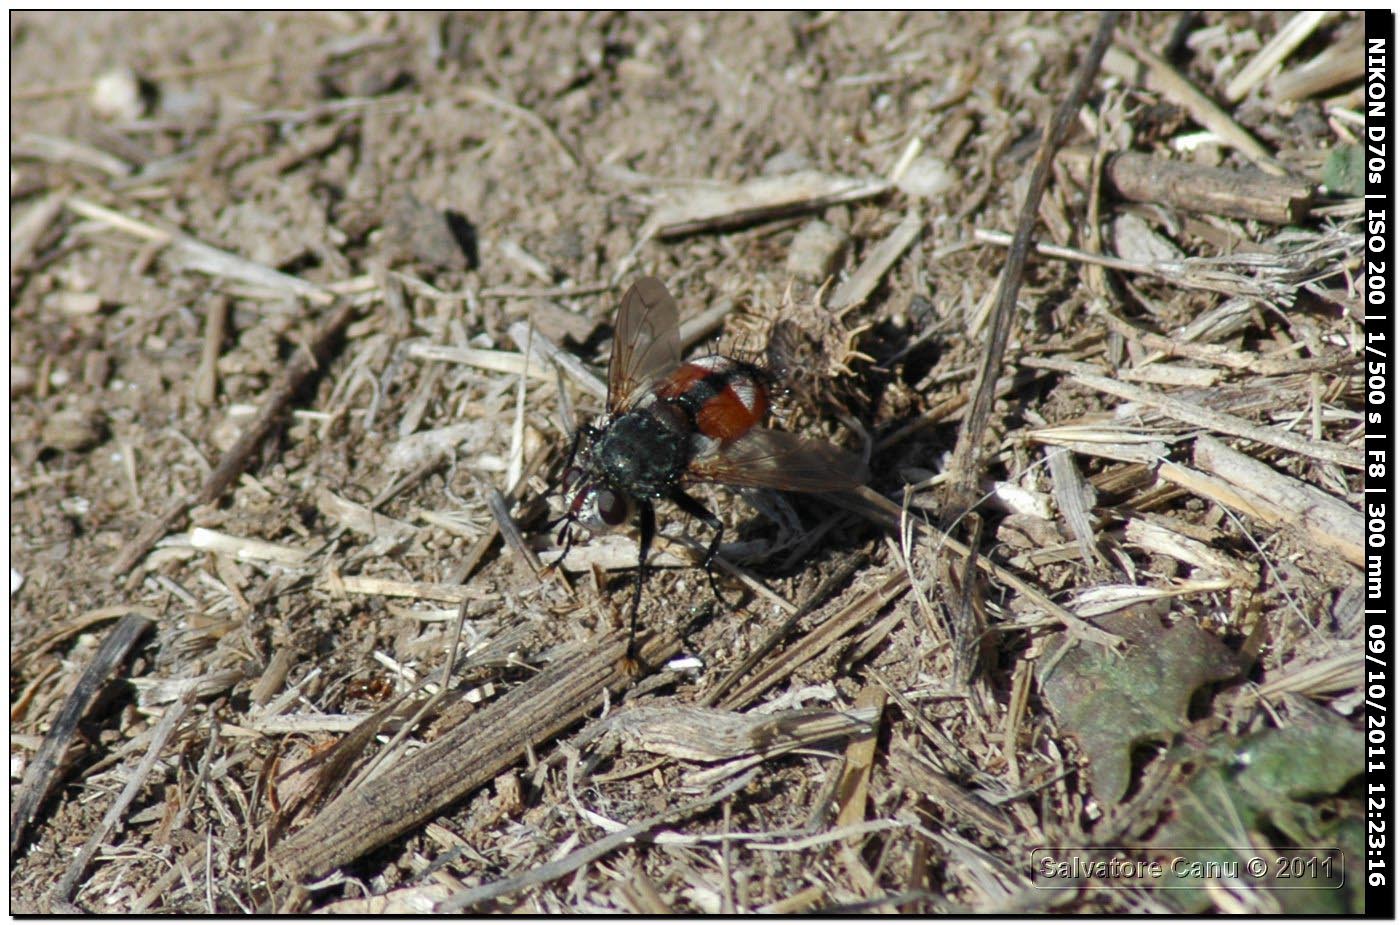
<point>1258,68</point>
<point>698,210</point>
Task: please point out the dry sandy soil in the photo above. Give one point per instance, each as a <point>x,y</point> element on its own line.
<point>195,199</point>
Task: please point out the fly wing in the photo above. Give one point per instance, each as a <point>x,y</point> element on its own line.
<point>764,458</point>
<point>646,342</point>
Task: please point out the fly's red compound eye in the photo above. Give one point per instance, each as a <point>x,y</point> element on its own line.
<point>600,509</point>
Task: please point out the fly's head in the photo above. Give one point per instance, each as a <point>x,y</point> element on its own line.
<point>589,500</point>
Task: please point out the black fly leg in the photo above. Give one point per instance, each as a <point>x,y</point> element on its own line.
<point>566,536</point>
<point>703,514</point>
<point>646,517</point>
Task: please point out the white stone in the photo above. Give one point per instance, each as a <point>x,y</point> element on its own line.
<point>117,95</point>
<point>926,177</point>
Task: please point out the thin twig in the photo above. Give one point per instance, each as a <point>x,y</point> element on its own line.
<point>964,466</point>
<point>43,770</point>
<point>134,782</point>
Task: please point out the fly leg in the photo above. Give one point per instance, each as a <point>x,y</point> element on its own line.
<point>566,536</point>
<point>703,514</point>
<point>646,517</point>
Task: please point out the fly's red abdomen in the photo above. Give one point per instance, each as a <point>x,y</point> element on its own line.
<point>723,397</point>
<point>732,413</point>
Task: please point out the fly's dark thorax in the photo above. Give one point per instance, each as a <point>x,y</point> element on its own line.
<point>644,453</point>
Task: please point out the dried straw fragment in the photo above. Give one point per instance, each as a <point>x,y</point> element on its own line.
<point>423,590</point>
<point>858,286</point>
<point>246,548</point>
<point>854,787</point>
<point>545,354</point>
<point>1345,671</point>
<point>1266,59</point>
<point>1172,374</point>
<point>1156,538</point>
<point>45,768</point>
<point>695,733</point>
<point>304,723</point>
<point>919,775</point>
<point>1341,62</point>
<point>359,518</point>
<point>489,741</point>
<point>1101,600</point>
<point>66,150</point>
<point>134,782</point>
<point>1200,416</point>
<point>1164,79</point>
<point>1107,439</point>
<point>500,361</point>
<point>413,900</point>
<point>763,199</point>
<point>1075,499</point>
<point>1262,364</point>
<point>29,228</point>
<point>204,258</point>
<point>1325,519</point>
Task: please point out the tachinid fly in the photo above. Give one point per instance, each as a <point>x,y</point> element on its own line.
<point>670,424</point>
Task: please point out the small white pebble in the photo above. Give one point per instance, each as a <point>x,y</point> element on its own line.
<point>925,178</point>
<point>117,95</point>
<point>77,304</point>
<point>16,580</point>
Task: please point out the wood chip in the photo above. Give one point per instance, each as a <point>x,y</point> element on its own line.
<point>1197,187</point>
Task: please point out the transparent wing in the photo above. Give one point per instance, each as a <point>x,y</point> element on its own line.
<point>646,342</point>
<point>764,458</point>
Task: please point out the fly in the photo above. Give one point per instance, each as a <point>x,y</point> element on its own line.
<point>669,424</point>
